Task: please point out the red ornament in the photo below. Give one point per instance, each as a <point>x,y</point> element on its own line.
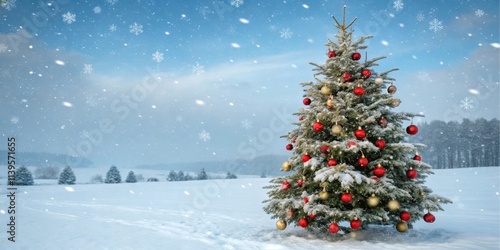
<point>347,77</point>
<point>332,162</point>
<point>366,73</point>
<point>306,158</point>
<point>382,122</point>
<point>412,130</point>
<point>429,218</point>
<point>417,157</point>
<point>360,133</point>
<point>289,147</point>
<point>331,54</point>
<point>306,101</point>
<point>379,171</point>
<point>355,224</point>
<point>324,149</point>
<point>306,200</point>
<point>363,162</point>
<point>356,56</point>
<point>303,222</point>
<point>346,197</point>
<point>334,228</point>
<point>312,216</point>
<point>351,144</point>
<point>300,182</point>
<point>359,91</point>
<point>411,173</point>
<point>301,118</point>
<point>285,185</point>
<point>405,216</point>
<point>294,140</point>
<point>380,143</point>
<point>318,126</point>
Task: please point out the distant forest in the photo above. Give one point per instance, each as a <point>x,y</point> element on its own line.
<point>459,145</point>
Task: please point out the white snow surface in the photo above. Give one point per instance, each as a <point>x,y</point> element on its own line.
<point>227,214</point>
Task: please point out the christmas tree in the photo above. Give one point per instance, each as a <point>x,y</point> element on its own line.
<point>351,165</point>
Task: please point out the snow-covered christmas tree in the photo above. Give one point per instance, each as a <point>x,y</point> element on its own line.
<point>67,176</point>
<point>351,165</point>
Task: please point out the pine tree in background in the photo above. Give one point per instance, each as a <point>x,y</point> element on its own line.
<point>202,175</point>
<point>23,177</point>
<point>131,177</point>
<point>351,166</point>
<point>67,176</point>
<point>113,175</point>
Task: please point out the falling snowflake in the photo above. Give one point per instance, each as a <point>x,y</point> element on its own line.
<point>135,29</point>
<point>157,56</point>
<point>198,69</point>
<point>87,69</point>
<point>237,3</point>
<point>69,17</point>
<point>204,136</point>
<point>479,13</point>
<point>9,4</point>
<point>398,5</point>
<point>3,48</point>
<point>113,28</point>
<point>286,33</point>
<point>420,17</point>
<point>112,2</point>
<point>14,120</point>
<point>435,25</point>
<point>467,103</point>
<point>246,124</point>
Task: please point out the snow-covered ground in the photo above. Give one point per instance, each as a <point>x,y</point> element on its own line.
<point>227,214</point>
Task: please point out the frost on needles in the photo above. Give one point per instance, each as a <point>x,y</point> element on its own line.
<point>351,165</point>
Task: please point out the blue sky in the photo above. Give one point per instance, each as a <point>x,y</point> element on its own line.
<point>227,73</point>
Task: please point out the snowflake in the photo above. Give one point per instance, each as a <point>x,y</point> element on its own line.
<point>69,17</point>
<point>14,120</point>
<point>204,11</point>
<point>420,17</point>
<point>467,103</point>
<point>237,3</point>
<point>286,33</point>
<point>157,56</point>
<point>246,124</point>
<point>479,13</point>
<point>84,134</point>
<point>87,69</point>
<point>198,69</point>
<point>272,27</point>
<point>398,5</point>
<point>204,136</point>
<point>9,4</point>
<point>113,28</point>
<point>136,29</point>
<point>435,25</point>
<point>112,2</point>
<point>3,48</point>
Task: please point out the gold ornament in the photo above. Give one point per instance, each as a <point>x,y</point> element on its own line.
<point>323,195</point>
<point>286,166</point>
<point>396,103</point>
<point>402,227</point>
<point>392,89</point>
<point>329,103</point>
<point>379,80</point>
<point>281,224</point>
<point>373,201</point>
<point>325,90</point>
<point>337,129</point>
<point>393,205</point>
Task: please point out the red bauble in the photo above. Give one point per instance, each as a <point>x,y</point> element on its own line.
<point>347,77</point>
<point>332,162</point>
<point>405,216</point>
<point>312,216</point>
<point>363,162</point>
<point>294,140</point>
<point>351,144</point>
<point>412,130</point>
<point>331,54</point>
<point>360,133</point>
<point>303,222</point>
<point>300,182</point>
<point>318,126</point>
<point>429,218</point>
<point>411,173</point>
<point>355,224</point>
<point>306,200</point>
<point>289,147</point>
<point>346,197</point>
<point>382,122</point>
<point>356,56</point>
<point>306,101</point>
<point>359,91</point>
<point>324,149</point>
<point>285,185</point>
<point>380,143</point>
<point>379,171</point>
<point>334,228</point>
<point>366,73</point>
<point>417,157</point>
<point>306,158</point>
<point>301,118</point>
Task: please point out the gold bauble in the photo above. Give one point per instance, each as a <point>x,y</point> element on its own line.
<point>396,103</point>
<point>392,89</point>
<point>323,195</point>
<point>281,224</point>
<point>337,129</point>
<point>329,103</point>
<point>373,201</point>
<point>379,80</point>
<point>286,166</point>
<point>402,227</point>
<point>325,90</point>
<point>393,205</point>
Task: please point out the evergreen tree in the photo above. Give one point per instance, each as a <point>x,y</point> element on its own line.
<point>350,161</point>
<point>23,177</point>
<point>67,176</point>
<point>172,176</point>
<point>113,175</point>
<point>181,176</point>
<point>231,176</point>
<point>96,179</point>
<point>202,175</point>
<point>131,177</point>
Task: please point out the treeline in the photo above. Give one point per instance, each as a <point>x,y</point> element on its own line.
<point>181,176</point>
<point>460,145</point>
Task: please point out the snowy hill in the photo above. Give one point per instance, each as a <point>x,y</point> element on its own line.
<point>227,214</point>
